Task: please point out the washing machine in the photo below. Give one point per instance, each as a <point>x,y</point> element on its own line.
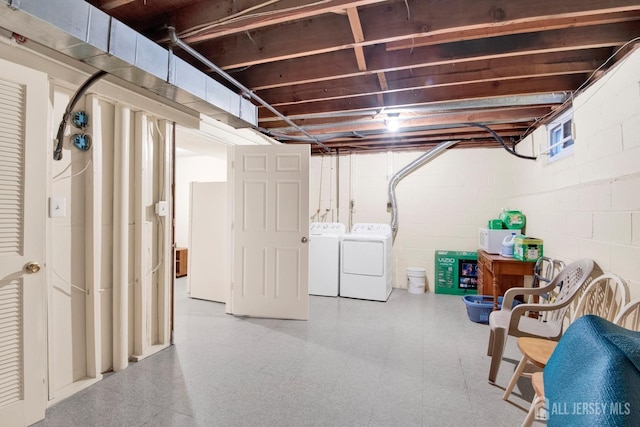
<point>365,262</point>
<point>324,257</point>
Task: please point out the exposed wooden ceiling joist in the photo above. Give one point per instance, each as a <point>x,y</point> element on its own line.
<point>338,67</point>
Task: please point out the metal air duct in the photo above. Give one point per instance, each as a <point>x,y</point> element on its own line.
<point>417,163</point>
<point>85,33</point>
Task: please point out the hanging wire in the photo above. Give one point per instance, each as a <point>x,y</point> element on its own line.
<point>316,215</point>
<point>60,178</point>
<point>244,14</point>
<point>406,3</point>
<point>572,94</point>
<point>501,141</point>
<point>57,152</point>
<point>78,288</point>
<point>252,40</point>
<point>161,174</point>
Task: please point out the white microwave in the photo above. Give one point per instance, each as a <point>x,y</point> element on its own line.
<point>490,241</point>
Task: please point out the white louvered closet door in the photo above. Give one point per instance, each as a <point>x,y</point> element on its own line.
<point>23,151</point>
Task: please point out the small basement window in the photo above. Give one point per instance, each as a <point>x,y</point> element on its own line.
<point>561,136</point>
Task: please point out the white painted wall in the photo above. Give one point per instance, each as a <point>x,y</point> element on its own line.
<point>79,285</point>
<point>67,347</point>
<point>193,168</point>
<point>588,205</point>
<point>440,206</point>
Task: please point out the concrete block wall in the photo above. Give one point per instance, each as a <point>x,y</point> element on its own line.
<point>584,205</point>
<point>588,204</point>
<point>440,206</point>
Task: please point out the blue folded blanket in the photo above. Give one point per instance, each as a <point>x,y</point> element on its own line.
<point>593,376</point>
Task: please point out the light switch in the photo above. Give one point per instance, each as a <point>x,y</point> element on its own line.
<point>57,206</point>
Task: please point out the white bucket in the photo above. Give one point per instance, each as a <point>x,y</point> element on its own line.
<point>416,280</point>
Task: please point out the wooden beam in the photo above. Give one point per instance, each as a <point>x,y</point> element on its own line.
<point>431,17</point>
<point>414,146</point>
<point>498,115</point>
<point>204,20</point>
<point>337,65</point>
<point>516,127</point>
<point>297,39</point>
<point>356,26</point>
<point>517,67</point>
<point>447,134</point>
<point>358,37</point>
<point>514,28</point>
<point>382,80</point>
<point>235,52</point>
<point>432,96</point>
<point>112,4</point>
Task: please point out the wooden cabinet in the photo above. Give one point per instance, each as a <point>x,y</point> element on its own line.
<point>496,274</point>
<point>181,262</point>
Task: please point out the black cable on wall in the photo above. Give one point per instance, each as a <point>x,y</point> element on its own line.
<point>57,152</point>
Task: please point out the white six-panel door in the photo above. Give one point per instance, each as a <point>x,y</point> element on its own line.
<point>270,229</point>
<point>23,149</point>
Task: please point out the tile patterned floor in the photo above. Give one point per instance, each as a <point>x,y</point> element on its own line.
<point>415,360</point>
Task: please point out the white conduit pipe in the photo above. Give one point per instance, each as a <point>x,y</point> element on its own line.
<point>245,90</point>
<point>121,239</point>
<point>416,164</point>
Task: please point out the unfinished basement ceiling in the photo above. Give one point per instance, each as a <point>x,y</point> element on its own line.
<point>342,69</point>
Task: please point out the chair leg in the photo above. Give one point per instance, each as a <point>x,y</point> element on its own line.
<point>490,346</point>
<point>496,353</point>
<point>516,375</point>
<point>537,402</point>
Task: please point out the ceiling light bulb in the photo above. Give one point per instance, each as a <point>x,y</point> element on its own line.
<point>393,124</point>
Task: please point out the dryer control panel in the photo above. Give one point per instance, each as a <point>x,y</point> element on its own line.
<point>371,228</point>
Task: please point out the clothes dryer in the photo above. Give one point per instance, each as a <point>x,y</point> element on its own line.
<point>324,257</point>
<point>365,262</point>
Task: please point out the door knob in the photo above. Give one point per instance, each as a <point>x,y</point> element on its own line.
<point>304,240</point>
<point>32,267</point>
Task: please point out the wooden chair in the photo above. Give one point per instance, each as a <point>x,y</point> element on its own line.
<point>537,382</point>
<point>513,321</point>
<point>628,317</point>
<point>604,297</point>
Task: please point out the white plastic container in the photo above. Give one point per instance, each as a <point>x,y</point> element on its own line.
<point>507,245</point>
<point>416,278</point>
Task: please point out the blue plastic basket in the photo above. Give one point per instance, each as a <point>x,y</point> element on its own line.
<point>479,307</point>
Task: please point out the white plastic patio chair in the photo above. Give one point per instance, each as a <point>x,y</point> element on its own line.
<point>513,321</point>
<point>629,316</point>
<point>543,273</point>
<point>605,297</point>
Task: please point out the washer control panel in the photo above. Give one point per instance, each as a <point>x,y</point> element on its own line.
<point>326,228</point>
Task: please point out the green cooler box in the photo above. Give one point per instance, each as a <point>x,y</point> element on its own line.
<point>456,272</point>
